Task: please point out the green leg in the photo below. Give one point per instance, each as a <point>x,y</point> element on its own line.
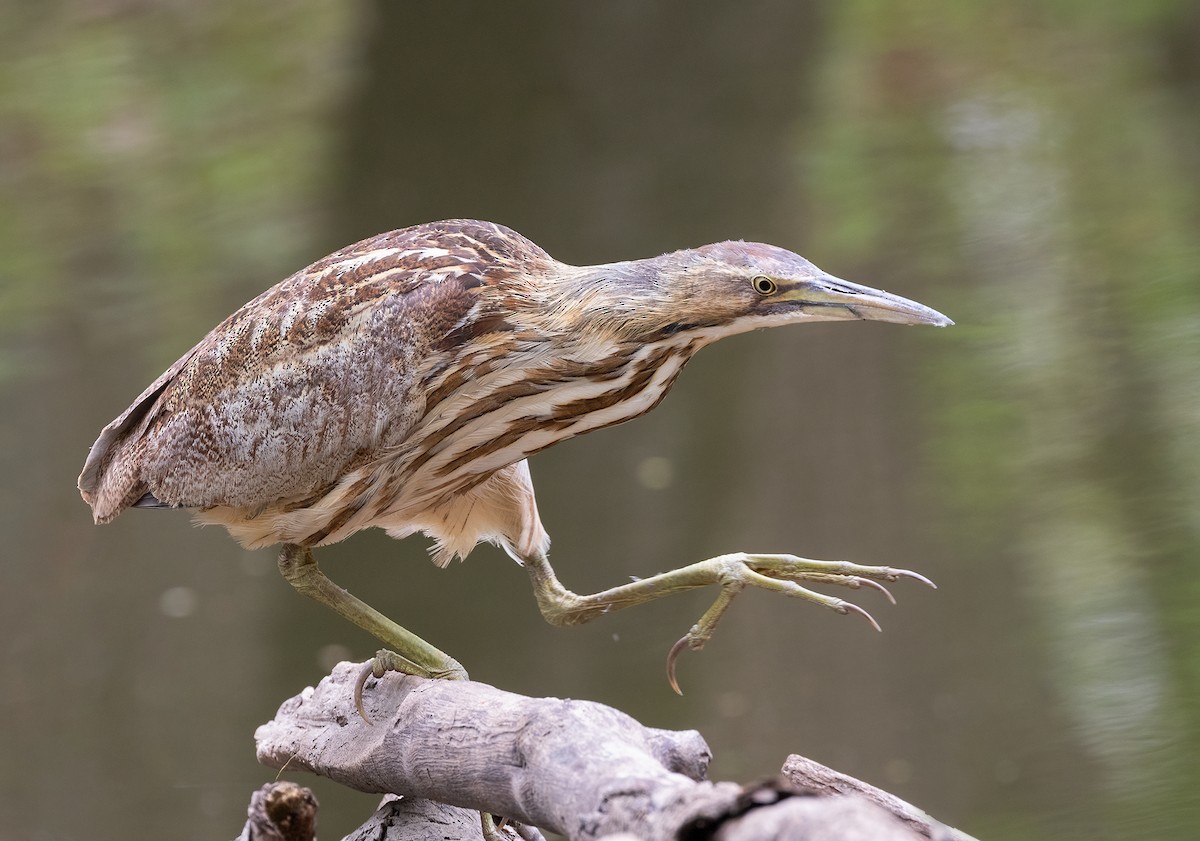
<point>410,654</point>
<point>732,573</point>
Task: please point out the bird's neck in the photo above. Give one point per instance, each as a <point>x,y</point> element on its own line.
<point>624,302</point>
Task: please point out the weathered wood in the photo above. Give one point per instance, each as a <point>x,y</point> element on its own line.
<point>824,781</point>
<point>418,819</point>
<point>577,768</point>
<point>806,818</point>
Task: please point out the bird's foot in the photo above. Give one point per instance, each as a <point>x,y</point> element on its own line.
<point>386,661</point>
<point>780,574</point>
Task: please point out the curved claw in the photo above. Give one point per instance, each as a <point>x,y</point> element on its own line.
<point>368,670</point>
<point>908,573</point>
<point>848,607</point>
<point>672,656</point>
<point>867,581</point>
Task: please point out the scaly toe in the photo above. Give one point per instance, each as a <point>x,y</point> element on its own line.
<point>672,656</point>
<point>383,662</point>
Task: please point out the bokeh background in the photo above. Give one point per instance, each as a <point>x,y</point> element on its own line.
<point>1030,168</point>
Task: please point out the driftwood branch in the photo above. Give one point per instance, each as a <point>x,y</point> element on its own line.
<point>578,768</point>
<point>822,781</point>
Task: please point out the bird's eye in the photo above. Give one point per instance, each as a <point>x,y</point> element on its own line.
<point>763,285</point>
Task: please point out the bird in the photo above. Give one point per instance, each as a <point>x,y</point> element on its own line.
<point>403,383</point>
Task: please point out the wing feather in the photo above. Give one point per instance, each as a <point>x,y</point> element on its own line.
<point>315,376</point>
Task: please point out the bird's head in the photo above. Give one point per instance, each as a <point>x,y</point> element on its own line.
<point>726,288</point>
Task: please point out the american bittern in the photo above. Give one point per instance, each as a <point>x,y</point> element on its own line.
<point>402,383</point>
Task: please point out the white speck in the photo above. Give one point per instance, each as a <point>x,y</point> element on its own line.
<point>178,602</point>
<point>656,473</point>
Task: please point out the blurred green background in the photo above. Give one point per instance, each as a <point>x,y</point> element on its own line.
<point>1031,168</point>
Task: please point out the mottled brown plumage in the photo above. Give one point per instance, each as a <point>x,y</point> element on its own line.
<point>402,382</point>
<point>326,372</point>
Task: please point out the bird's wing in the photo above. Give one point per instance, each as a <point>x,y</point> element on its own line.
<point>313,377</point>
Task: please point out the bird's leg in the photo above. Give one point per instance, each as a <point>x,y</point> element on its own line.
<point>409,653</point>
<point>733,573</point>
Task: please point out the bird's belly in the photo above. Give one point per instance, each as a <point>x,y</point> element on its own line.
<point>351,504</point>
<point>411,491</point>
<point>501,509</point>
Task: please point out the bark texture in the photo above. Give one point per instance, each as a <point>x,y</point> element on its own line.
<point>823,781</point>
<point>581,769</point>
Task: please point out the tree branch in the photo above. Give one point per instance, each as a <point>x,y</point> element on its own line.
<point>577,768</point>
<point>823,781</point>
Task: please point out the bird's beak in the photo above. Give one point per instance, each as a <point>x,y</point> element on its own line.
<point>846,300</point>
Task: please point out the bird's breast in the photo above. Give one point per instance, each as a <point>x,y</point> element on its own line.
<point>512,413</point>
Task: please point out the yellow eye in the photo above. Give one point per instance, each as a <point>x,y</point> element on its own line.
<point>763,285</point>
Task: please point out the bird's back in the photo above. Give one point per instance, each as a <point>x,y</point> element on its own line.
<point>319,374</point>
